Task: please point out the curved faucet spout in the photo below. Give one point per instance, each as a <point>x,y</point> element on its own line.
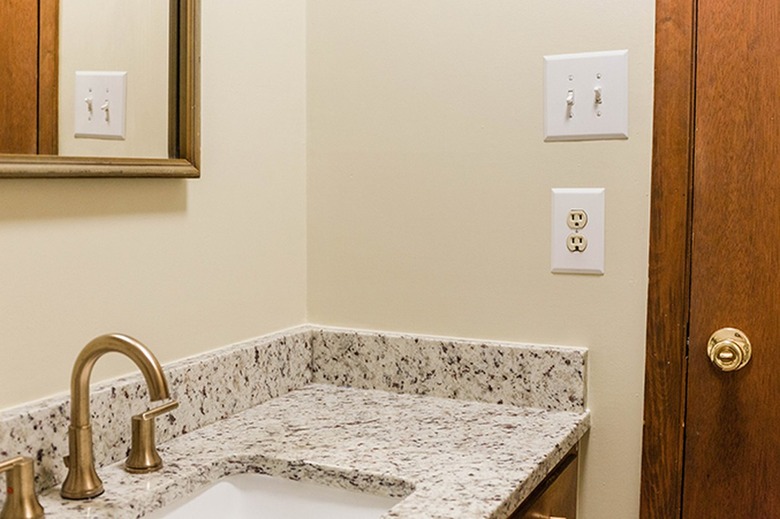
<point>82,370</point>
<point>82,481</point>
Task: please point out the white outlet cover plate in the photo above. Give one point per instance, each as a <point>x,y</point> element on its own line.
<point>100,87</point>
<point>591,260</point>
<point>581,74</point>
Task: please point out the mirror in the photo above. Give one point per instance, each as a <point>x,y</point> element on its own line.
<point>53,155</point>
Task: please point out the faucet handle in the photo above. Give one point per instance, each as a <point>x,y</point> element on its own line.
<point>21,501</point>
<point>143,456</point>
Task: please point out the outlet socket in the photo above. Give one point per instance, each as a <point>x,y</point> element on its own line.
<point>578,231</point>
<point>577,219</point>
<point>576,242</point>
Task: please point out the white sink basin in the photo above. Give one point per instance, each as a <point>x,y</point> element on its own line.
<point>265,497</point>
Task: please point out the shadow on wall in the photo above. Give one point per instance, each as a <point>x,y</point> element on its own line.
<point>40,199</point>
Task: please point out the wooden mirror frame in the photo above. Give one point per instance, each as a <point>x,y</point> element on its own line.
<point>184,120</point>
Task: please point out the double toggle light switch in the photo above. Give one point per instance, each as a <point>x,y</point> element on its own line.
<point>89,101</point>
<point>597,100</point>
<point>100,99</point>
<point>586,96</point>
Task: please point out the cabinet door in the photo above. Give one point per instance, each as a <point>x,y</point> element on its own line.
<point>556,496</point>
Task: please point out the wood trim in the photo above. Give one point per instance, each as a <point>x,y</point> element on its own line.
<point>174,19</point>
<point>48,166</point>
<point>18,76</point>
<point>669,261</point>
<point>48,75</point>
<point>184,81</point>
<point>556,495</point>
<point>188,138</point>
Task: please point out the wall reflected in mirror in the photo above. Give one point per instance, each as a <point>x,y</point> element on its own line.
<point>85,35</point>
<point>116,35</point>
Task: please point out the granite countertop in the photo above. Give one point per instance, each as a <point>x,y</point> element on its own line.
<point>448,458</point>
<point>459,428</point>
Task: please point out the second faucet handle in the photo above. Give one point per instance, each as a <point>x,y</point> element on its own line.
<point>21,501</point>
<point>143,456</point>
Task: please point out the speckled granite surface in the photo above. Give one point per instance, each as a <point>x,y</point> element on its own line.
<point>548,377</point>
<point>544,384</point>
<point>209,387</point>
<point>451,459</point>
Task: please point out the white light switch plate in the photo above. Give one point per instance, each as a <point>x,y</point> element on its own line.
<point>100,104</point>
<point>586,96</point>
<point>578,223</point>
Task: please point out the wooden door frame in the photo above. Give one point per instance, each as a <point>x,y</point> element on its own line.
<point>31,51</point>
<point>669,260</point>
<point>48,76</point>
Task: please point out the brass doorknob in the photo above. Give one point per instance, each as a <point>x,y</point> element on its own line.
<point>729,349</point>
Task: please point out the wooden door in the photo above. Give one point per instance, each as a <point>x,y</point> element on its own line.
<point>732,437</point>
<point>28,76</point>
<point>711,447</point>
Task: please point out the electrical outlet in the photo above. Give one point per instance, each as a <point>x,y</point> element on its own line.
<point>578,230</point>
<point>576,242</point>
<point>577,219</point>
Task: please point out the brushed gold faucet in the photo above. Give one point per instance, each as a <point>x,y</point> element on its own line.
<point>143,455</point>
<point>82,481</point>
<point>20,501</point>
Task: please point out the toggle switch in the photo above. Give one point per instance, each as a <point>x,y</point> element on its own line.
<point>88,102</point>
<point>104,107</point>
<point>570,104</point>
<point>106,90</point>
<point>604,75</point>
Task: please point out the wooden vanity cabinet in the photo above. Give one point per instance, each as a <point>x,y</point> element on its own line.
<point>556,496</point>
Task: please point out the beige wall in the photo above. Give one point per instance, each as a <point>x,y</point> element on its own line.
<point>426,206</point>
<point>184,266</point>
<point>117,35</point>
<point>429,192</point>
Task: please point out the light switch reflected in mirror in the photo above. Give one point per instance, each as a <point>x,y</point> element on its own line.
<point>154,43</point>
<point>130,36</point>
